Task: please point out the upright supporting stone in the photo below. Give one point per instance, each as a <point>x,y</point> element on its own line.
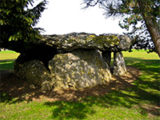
<point>107,56</point>
<point>79,69</point>
<point>119,67</point>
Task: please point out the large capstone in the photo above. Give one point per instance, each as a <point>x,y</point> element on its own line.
<point>79,69</point>
<point>103,42</point>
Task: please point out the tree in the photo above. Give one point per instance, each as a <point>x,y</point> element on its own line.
<point>17,21</point>
<point>141,15</point>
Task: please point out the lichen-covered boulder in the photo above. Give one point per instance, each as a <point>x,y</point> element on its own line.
<point>79,69</point>
<point>34,72</point>
<point>103,42</point>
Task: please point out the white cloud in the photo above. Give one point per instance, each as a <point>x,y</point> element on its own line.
<point>65,16</point>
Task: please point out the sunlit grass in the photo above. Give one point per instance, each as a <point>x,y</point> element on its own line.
<point>141,54</point>
<point>8,55</point>
<point>7,59</point>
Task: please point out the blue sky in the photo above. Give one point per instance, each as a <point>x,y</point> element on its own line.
<point>66,16</point>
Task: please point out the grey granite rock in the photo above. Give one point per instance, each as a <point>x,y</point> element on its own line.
<point>79,69</point>
<point>72,41</point>
<point>34,72</point>
<point>119,67</point>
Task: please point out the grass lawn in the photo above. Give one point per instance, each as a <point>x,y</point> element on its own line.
<point>139,101</point>
<point>7,59</point>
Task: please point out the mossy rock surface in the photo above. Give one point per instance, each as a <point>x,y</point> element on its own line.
<point>34,72</point>
<point>79,69</point>
<point>72,41</point>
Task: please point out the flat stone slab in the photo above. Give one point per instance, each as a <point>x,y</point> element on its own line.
<point>72,41</point>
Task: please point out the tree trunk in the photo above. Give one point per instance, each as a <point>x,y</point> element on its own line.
<point>154,32</point>
<point>151,24</point>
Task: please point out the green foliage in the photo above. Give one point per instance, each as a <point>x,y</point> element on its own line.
<point>17,21</point>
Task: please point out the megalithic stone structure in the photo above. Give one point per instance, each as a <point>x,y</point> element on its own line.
<point>75,60</point>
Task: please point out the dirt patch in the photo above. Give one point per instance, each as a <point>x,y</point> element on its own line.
<point>17,88</point>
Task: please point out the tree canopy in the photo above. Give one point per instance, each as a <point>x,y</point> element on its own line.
<point>140,17</point>
<point>17,21</point>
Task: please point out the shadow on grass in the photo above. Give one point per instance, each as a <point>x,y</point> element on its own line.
<point>80,109</point>
<point>150,77</point>
<point>70,110</point>
<point>143,92</point>
<point>124,92</point>
<point>6,64</point>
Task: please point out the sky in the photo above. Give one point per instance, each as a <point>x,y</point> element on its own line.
<point>66,16</point>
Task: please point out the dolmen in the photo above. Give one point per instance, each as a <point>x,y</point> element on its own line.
<point>73,61</point>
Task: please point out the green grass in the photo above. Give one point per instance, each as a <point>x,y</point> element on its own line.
<point>141,54</point>
<point>133,103</point>
<point>7,59</point>
<point>8,55</point>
